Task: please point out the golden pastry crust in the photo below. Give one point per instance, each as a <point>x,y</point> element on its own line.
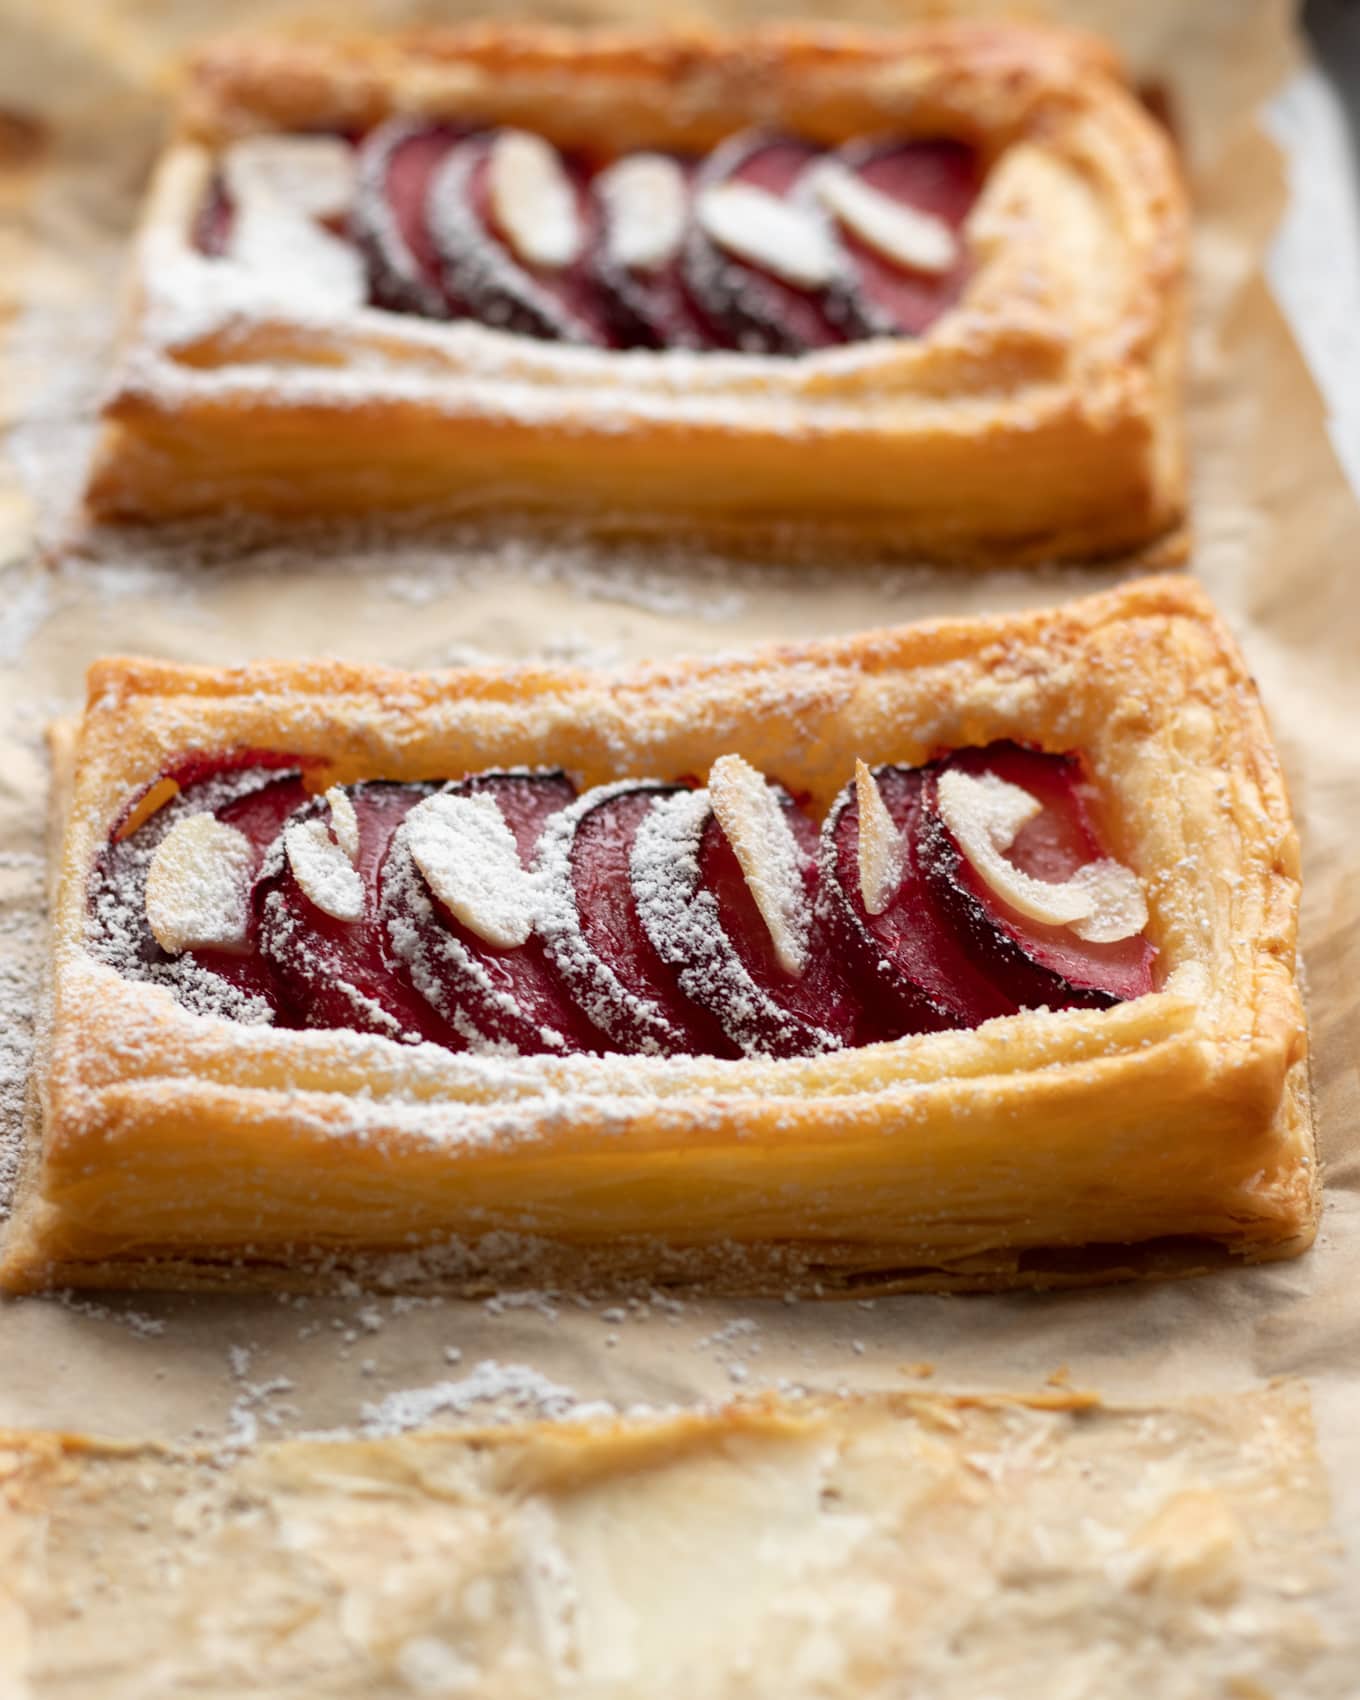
<point>1166,1133</point>
<point>869,1546</point>
<point>1039,417</point>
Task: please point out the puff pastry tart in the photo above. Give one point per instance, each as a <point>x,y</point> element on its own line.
<point>920,289</point>
<point>958,955</point>
<point>874,1547</point>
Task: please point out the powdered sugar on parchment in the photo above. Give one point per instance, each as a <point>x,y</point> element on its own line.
<point>502,1391</point>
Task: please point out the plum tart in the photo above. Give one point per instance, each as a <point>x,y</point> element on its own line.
<point>921,289</point>
<point>958,955</point>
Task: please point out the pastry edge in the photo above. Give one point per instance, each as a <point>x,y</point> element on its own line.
<point>1264,1086</point>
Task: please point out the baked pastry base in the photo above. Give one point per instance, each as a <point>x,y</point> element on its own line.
<point>1167,1134</point>
<point>967,1546</point>
<point>1040,417</point>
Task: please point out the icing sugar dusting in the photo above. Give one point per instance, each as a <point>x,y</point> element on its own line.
<point>468,856</point>
<point>323,870</point>
<point>747,809</point>
<point>514,1390</point>
<point>623,1014</point>
<point>23,948</point>
<point>196,885</point>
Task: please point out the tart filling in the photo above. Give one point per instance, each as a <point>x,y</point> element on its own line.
<point>768,243</point>
<point>506,912</point>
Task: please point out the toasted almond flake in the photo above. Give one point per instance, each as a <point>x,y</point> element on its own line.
<point>323,870</point>
<point>314,175</point>
<point>282,187</point>
<point>881,845</point>
<point>344,822</point>
<point>749,812</point>
<point>914,240</point>
<point>468,857</point>
<point>753,225</point>
<point>197,886</point>
<point>1102,902</point>
<point>984,814</point>
<point>645,203</point>
<point>533,201</point>
<point>1118,905</point>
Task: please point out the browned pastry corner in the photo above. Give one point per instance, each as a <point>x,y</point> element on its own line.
<point>1168,1131</point>
<point>988,370</point>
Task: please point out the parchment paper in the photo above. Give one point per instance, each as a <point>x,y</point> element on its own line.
<point>1276,536</point>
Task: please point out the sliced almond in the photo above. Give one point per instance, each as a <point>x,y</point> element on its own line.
<point>881,845</point>
<point>533,201</point>
<point>914,240</point>
<point>323,870</point>
<point>282,187</point>
<point>1118,905</point>
<point>313,174</point>
<point>470,861</point>
<point>344,822</point>
<point>749,812</point>
<point>777,236</point>
<point>198,884</point>
<point>645,203</point>
<point>1102,902</point>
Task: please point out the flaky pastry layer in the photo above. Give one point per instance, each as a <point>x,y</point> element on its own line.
<point>1038,417</point>
<point>770,1549</point>
<point>1164,1133</point>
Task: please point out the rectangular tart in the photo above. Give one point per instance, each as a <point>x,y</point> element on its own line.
<point>1170,1131</point>
<point>919,290</point>
<point>871,1547</point>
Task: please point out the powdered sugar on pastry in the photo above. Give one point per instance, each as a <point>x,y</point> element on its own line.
<point>281,187</point>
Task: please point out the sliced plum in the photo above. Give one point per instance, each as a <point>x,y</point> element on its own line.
<point>937,178</point>
<point>388,223</point>
<point>595,937</point>
<point>637,257</point>
<point>909,963</point>
<point>479,267</point>
<point>752,306</point>
<point>251,792</point>
<point>704,922</point>
<point>508,996</point>
<point>336,972</point>
<point>212,226</point>
<point>1034,963</point>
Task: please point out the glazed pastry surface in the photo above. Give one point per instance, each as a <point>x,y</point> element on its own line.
<point>1043,1146</point>
<point>982,359</point>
